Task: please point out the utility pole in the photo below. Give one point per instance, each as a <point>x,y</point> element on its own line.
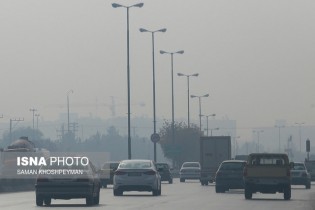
<point>33,110</point>
<point>14,120</point>
<point>37,115</point>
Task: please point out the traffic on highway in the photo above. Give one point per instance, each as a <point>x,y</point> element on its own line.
<point>188,195</point>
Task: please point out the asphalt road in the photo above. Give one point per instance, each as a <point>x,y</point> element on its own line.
<point>183,196</point>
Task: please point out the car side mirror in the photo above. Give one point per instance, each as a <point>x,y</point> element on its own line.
<point>160,169</point>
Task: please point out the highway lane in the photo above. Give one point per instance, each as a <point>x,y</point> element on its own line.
<point>186,196</point>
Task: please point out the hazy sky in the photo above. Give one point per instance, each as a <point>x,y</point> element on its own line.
<point>255,58</point>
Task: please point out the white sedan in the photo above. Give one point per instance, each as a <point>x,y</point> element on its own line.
<point>190,170</point>
<point>137,175</point>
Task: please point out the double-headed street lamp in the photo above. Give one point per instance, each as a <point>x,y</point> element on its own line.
<point>279,126</point>
<point>153,68</point>
<point>188,75</point>
<point>139,5</point>
<point>199,97</point>
<point>213,129</point>
<point>68,109</point>
<point>172,74</point>
<point>300,134</point>
<point>258,133</point>
<point>207,116</point>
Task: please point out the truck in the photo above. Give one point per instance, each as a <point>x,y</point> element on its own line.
<point>213,151</point>
<point>10,179</point>
<point>267,173</point>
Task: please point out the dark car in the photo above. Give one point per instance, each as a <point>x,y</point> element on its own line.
<point>229,176</point>
<point>107,172</point>
<point>55,182</point>
<point>310,165</point>
<point>165,172</point>
<point>300,175</point>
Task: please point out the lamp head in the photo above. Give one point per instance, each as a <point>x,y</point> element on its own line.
<point>180,52</point>
<point>138,5</point>
<point>180,74</point>
<point>114,5</point>
<point>195,75</point>
<point>143,30</point>
<point>162,30</point>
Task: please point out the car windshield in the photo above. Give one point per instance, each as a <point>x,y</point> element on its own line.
<point>298,166</point>
<point>135,164</point>
<point>193,165</point>
<point>232,166</point>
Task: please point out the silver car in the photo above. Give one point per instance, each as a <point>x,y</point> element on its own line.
<point>137,175</point>
<point>190,170</point>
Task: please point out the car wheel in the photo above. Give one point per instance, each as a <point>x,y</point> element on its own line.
<point>219,189</point>
<point>308,186</point>
<point>160,191</point>
<point>182,180</point>
<point>96,199</point>
<point>287,192</point>
<point>155,192</point>
<point>89,200</point>
<point>39,200</point>
<point>248,193</point>
<point>170,181</point>
<point>104,185</point>
<point>117,192</point>
<point>47,201</point>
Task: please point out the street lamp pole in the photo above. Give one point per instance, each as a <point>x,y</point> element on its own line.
<point>199,97</point>
<point>172,75</point>
<point>300,134</point>
<point>188,76</point>
<point>37,115</point>
<point>68,109</point>
<point>235,145</point>
<point>153,68</point>
<point>114,5</point>
<point>33,110</point>
<point>279,126</point>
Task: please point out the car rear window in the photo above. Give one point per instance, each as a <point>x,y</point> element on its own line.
<point>162,166</point>
<point>196,165</point>
<point>232,166</point>
<point>135,165</point>
<point>267,160</point>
